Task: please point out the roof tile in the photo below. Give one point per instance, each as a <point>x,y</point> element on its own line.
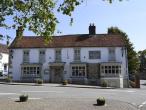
<point>82,40</point>
<point>4,48</point>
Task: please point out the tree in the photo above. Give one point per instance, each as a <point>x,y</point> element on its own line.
<point>142,59</point>
<point>133,64</point>
<point>36,15</point>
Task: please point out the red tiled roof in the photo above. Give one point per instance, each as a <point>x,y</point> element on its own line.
<point>84,40</point>
<point>3,48</point>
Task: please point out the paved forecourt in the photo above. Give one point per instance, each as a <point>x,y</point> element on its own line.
<point>63,104</point>
<point>70,97</point>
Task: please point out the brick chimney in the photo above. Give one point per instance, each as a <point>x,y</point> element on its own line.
<point>19,31</point>
<point>92,29</point>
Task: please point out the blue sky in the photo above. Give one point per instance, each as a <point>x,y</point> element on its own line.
<point>129,16</point>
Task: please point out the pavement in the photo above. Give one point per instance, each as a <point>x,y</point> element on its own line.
<point>60,85</point>
<point>70,97</point>
<point>63,104</point>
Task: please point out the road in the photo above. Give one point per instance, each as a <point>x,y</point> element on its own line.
<point>136,97</point>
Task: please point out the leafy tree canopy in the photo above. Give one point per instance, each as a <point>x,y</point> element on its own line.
<point>142,59</point>
<point>133,65</point>
<point>36,15</point>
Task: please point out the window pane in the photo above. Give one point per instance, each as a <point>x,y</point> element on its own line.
<point>111,54</point>
<point>58,55</point>
<point>25,56</point>
<point>94,54</point>
<point>78,71</point>
<point>77,54</point>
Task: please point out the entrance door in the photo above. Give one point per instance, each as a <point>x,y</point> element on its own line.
<point>56,75</point>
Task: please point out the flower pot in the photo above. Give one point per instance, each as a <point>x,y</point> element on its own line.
<point>64,82</point>
<point>23,98</point>
<point>100,101</point>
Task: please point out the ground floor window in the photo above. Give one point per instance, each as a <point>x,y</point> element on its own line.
<point>30,70</point>
<point>111,69</point>
<point>78,70</point>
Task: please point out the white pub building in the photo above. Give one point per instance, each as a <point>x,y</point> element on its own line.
<point>80,59</point>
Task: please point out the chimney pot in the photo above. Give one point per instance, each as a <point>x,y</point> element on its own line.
<point>92,29</point>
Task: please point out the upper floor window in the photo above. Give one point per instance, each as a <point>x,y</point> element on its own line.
<point>26,56</point>
<point>77,54</point>
<point>94,54</point>
<point>5,67</point>
<point>112,54</point>
<point>58,55</point>
<point>42,56</point>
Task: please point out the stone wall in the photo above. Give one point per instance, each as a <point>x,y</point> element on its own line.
<point>112,82</point>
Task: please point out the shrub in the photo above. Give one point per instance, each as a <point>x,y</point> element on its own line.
<point>8,79</point>
<point>65,82</point>
<point>39,81</point>
<point>101,101</point>
<point>23,98</point>
<point>104,84</point>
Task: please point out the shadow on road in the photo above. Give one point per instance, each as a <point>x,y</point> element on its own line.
<point>25,84</point>
<point>85,86</point>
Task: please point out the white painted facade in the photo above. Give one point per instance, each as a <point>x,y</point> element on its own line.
<point>4,63</point>
<point>67,56</point>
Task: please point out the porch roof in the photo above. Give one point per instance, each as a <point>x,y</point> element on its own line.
<point>56,64</point>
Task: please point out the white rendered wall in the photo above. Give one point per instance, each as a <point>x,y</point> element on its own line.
<point>3,61</point>
<point>67,57</point>
<point>16,63</point>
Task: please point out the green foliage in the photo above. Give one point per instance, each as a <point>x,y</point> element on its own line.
<point>142,59</point>
<point>36,15</point>
<point>8,79</point>
<point>104,84</point>
<point>23,98</point>
<point>1,73</point>
<point>39,81</point>
<point>65,82</point>
<point>100,101</point>
<point>133,65</point>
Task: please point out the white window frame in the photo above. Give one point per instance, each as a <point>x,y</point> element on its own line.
<point>95,54</point>
<point>26,56</point>
<point>112,54</point>
<point>110,70</point>
<point>77,54</point>
<point>78,71</point>
<point>42,55</point>
<point>31,71</point>
<point>58,55</point>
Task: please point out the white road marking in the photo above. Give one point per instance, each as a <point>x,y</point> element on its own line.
<point>131,91</point>
<point>8,93</point>
<point>141,105</point>
<point>43,91</point>
<point>108,93</point>
<point>144,103</point>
